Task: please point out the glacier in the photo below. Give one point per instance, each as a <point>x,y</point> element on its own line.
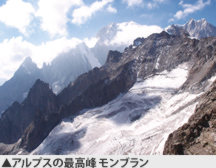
<point>135,123</point>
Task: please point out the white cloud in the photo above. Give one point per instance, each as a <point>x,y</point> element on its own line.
<point>111,9</point>
<point>46,52</point>
<point>128,31</point>
<point>133,2</point>
<point>53,15</point>
<point>190,8</point>
<point>82,14</point>
<point>13,51</point>
<point>171,20</point>
<point>91,42</point>
<point>18,14</point>
<point>151,5</point>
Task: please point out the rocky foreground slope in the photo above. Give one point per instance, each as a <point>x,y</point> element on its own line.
<point>198,135</point>
<point>149,74</point>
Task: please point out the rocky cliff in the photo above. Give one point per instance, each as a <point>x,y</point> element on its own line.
<point>197,136</point>
<point>18,116</point>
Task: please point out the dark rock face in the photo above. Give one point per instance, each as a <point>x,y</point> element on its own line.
<point>38,130</point>
<point>113,56</point>
<point>198,136</point>
<point>17,117</point>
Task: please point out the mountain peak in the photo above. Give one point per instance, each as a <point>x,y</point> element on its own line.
<point>27,60</point>
<point>107,32</point>
<point>196,29</point>
<point>203,20</point>
<point>191,22</point>
<point>191,19</point>
<point>27,67</point>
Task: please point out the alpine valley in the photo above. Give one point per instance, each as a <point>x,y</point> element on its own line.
<point>155,96</point>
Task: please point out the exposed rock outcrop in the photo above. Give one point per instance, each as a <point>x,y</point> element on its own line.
<point>17,117</point>
<point>198,135</point>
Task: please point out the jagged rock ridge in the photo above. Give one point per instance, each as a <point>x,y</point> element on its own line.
<point>196,29</point>
<point>18,116</point>
<point>197,136</point>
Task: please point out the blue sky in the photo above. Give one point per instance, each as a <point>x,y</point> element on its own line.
<point>44,28</point>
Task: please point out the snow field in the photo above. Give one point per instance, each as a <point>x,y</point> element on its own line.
<point>137,122</point>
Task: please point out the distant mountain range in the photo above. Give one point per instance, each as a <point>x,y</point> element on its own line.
<point>86,96</point>
<point>65,68</point>
<point>196,29</point>
<point>68,66</point>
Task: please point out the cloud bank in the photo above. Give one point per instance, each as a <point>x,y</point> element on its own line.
<point>53,15</point>
<point>82,14</point>
<point>129,31</point>
<point>17,14</point>
<point>13,52</point>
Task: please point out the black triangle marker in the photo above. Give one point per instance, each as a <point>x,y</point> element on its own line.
<point>6,164</point>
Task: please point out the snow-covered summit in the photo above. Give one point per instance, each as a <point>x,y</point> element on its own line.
<point>118,36</point>
<point>196,28</point>
<point>107,32</point>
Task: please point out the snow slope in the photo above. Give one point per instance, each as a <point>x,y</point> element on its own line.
<point>196,28</point>
<point>137,122</point>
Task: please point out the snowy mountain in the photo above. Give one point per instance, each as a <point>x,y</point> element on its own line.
<point>68,66</point>
<point>129,105</point>
<point>117,36</point>
<point>166,90</point>
<point>2,81</point>
<point>138,102</point>
<point>137,122</point>
<point>63,69</point>
<point>196,29</point>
